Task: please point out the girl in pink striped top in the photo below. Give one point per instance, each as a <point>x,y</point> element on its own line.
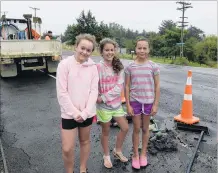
<point>111,80</point>
<point>142,92</point>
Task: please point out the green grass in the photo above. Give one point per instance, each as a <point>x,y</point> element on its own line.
<point>179,61</point>
<point>161,60</point>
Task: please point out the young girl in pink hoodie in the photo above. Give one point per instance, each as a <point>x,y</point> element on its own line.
<point>109,105</point>
<point>77,92</point>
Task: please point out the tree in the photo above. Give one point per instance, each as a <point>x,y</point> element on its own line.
<point>129,44</point>
<point>171,37</point>
<point>86,23</point>
<point>166,24</point>
<point>152,38</point>
<point>195,32</point>
<point>207,48</point>
<point>162,43</point>
<point>70,35</point>
<point>189,48</point>
<point>157,42</point>
<point>101,31</point>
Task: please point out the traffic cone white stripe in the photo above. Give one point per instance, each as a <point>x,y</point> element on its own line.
<point>188,97</point>
<point>189,81</point>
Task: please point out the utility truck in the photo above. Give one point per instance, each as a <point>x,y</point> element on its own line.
<point>23,49</point>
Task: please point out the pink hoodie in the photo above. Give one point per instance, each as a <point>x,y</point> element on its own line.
<point>77,88</point>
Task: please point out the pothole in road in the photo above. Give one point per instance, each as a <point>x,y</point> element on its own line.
<point>163,141</point>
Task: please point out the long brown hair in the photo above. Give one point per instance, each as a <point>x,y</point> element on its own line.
<point>116,63</point>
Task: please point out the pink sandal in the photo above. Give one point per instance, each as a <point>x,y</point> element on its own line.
<point>143,161</point>
<point>135,163</point>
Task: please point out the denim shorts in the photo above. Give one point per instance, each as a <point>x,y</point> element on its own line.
<point>139,108</point>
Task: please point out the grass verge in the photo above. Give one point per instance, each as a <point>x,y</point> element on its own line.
<point>178,61</point>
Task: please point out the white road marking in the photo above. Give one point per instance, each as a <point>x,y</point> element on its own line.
<point>48,74</point>
<point>52,76</point>
<point>3,158</point>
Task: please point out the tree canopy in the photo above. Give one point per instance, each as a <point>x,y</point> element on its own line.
<point>163,43</point>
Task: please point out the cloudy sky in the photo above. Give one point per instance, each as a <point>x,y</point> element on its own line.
<point>56,15</point>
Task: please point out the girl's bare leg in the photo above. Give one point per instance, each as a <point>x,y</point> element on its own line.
<point>68,144</point>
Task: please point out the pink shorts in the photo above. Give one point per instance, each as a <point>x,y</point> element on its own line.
<point>139,108</point>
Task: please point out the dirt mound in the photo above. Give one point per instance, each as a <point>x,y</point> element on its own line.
<point>162,141</point>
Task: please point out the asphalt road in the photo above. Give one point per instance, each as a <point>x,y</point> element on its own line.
<point>30,121</point>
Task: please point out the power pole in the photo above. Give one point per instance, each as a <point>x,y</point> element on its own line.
<point>184,7</point>
<point>4,12</point>
<point>34,8</point>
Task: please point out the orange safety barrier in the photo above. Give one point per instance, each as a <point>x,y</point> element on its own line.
<point>186,115</point>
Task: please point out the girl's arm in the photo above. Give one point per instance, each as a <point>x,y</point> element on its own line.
<point>157,94</point>
<point>92,96</point>
<point>116,91</point>
<point>156,74</point>
<point>127,84</point>
<point>99,99</point>
<point>62,93</point>
<point>157,89</point>
<point>127,91</point>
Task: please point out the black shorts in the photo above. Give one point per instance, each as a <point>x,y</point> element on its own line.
<point>72,124</point>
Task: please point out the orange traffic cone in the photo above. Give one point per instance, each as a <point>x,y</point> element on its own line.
<point>186,115</point>
<point>123,96</point>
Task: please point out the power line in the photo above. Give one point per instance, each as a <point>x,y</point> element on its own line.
<point>34,8</point>
<point>184,7</point>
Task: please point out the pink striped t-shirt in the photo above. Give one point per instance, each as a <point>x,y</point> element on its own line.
<point>142,88</point>
<point>110,86</point>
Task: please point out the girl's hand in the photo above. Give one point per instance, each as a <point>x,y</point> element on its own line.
<point>154,110</point>
<point>79,119</point>
<point>130,110</point>
<point>99,100</point>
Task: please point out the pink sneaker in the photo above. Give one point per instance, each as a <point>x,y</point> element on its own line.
<point>143,161</point>
<point>135,163</point>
